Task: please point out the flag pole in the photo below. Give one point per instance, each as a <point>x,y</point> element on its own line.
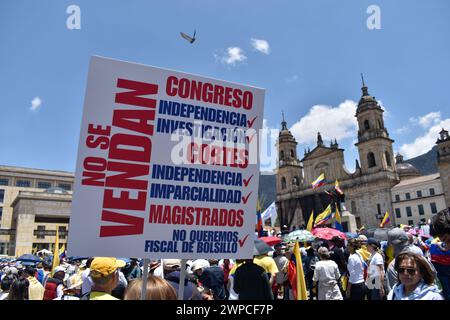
<point>144,279</point>
<point>182,277</point>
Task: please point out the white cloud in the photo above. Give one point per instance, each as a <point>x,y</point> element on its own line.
<point>402,130</point>
<point>268,151</point>
<point>425,142</point>
<point>430,119</point>
<point>232,56</point>
<point>35,103</point>
<point>260,45</point>
<point>292,78</point>
<point>339,123</point>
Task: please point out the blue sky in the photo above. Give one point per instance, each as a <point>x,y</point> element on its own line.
<point>311,70</point>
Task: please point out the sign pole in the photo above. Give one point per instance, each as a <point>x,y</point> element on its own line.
<point>182,277</point>
<point>144,279</point>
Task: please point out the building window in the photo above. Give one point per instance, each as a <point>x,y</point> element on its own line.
<point>283,183</point>
<point>281,155</point>
<point>23,183</point>
<point>371,160</point>
<point>388,158</point>
<point>379,209</point>
<point>353,207</point>
<point>408,211</point>
<point>4,182</point>
<point>397,197</point>
<point>421,211</point>
<point>44,184</point>
<point>408,196</point>
<point>62,231</point>
<point>65,186</point>
<point>2,195</point>
<point>433,207</point>
<point>398,213</point>
<point>296,181</point>
<point>411,222</point>
<point>431,191</point>
<point>1,213</point>
<point>366,125</point>
<point>292,154</point>
<point>419,194</point>
<point>41,232</point>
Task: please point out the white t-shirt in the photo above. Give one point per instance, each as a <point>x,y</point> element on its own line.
<point>326,272</point>
<point>355,269</point>
<point>373,270</point>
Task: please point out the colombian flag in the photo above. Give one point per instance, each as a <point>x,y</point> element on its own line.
<point>320,181</point>
<point>337,188</point>
<point>310,222</point>
<point>385,220</point>
<point>324,217</point>
<point>338,221</point>
<point>259,224</point>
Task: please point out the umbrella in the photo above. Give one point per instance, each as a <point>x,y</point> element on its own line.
<point>29,258</point>
<point>328,233</point>
<point>261,247</point>
<point>351,235</point>
<point>76,258</point>
<point>271,241</point>
<point>45,252</point>
<point>299,235</point>
<point>381,234</point>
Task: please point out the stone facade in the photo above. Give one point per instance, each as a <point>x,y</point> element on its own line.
<point>444,163</point>
<point>367,190</point>
<point>24,199</point>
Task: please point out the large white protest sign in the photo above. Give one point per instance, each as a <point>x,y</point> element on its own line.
<point>167,165</point>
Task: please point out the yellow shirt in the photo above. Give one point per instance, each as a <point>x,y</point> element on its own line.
<point>35,289</point>
<point>97,295</point>
<point>267,263</point>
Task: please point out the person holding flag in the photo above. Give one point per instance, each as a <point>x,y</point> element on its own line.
<point>385,220</point>
<point>320,181</point>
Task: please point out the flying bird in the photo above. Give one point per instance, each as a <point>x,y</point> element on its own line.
<point>188,38</point>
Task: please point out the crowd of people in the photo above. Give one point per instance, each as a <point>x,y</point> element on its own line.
<point>405,267</point>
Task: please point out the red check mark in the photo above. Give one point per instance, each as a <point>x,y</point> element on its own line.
<point>250,122</point>
<point>241,242</point>
<point>249,139</point>
<point>246,182</point>
<point>245,199</point>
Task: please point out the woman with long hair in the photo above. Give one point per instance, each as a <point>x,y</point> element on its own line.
<point>157,289</point>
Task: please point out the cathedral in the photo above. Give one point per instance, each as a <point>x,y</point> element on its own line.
<point>367,190</point>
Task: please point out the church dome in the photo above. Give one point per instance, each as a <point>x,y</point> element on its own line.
<point>404,169</point>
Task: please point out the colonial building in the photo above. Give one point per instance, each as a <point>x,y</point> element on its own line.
<point>367,190</point>
<point>33,203</point>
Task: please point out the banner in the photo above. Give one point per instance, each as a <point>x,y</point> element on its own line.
<point>167,165</point>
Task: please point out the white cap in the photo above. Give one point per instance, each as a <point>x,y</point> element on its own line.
<point>199,264</point>
<point>60,268</point>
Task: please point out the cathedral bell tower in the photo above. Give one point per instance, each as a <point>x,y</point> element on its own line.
<point>374,145</point>
<point>289,170</point>
<point>443,144</point>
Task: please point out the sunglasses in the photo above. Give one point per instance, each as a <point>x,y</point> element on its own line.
<point>410,271</point>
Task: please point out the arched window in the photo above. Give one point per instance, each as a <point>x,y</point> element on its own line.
<point>371,160</point>
<point>281,155</point>
<point>388,158</point>
<point>292,154</point>
<point>366,124</point>
<point>380,125</point>
<point>296,181</point>
<point>283,183</point>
